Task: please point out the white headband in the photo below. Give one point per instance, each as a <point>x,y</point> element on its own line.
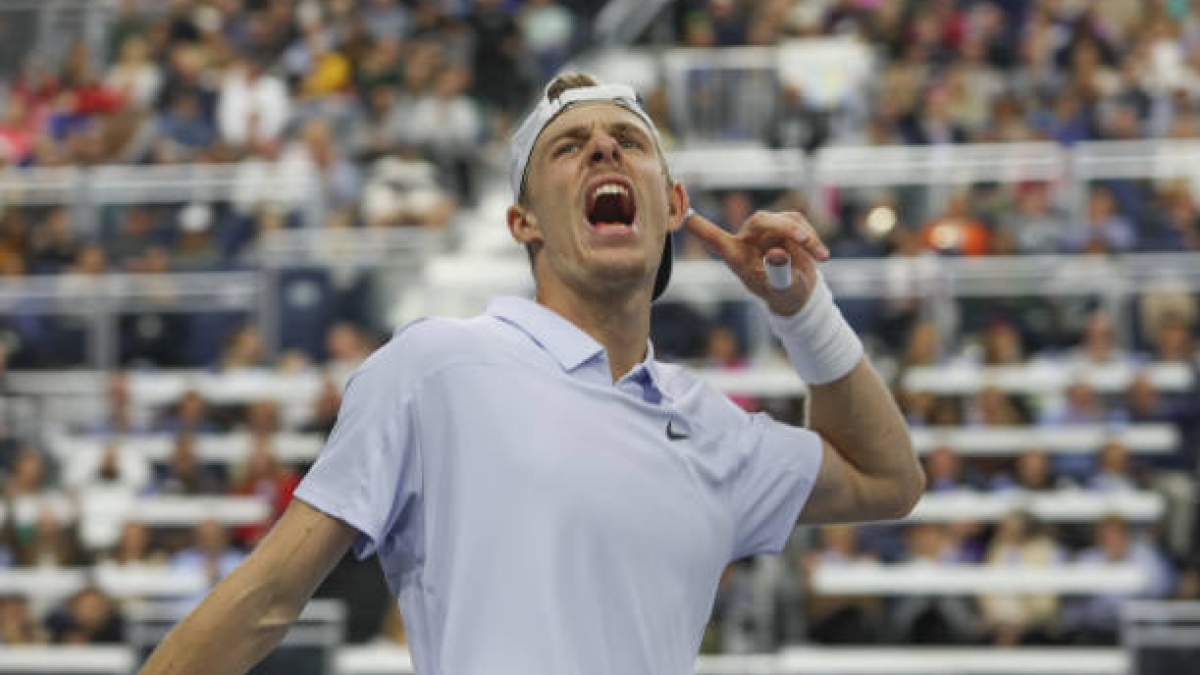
<point>546,110</point>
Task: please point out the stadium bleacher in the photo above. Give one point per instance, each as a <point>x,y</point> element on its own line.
<point>212,212</point>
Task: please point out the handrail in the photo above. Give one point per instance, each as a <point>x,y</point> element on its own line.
<point>834,165</point>
<point>935,579</point>
<point>153,184</point>
<point>380,659</point>
<point>855,660</point>
<point>997,276</point>
<point>1058,506</point>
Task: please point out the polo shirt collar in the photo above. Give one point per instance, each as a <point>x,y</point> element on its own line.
<point>569,345</point>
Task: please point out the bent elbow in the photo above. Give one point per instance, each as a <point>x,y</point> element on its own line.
<point>906,495</point>
<point>911,495</point>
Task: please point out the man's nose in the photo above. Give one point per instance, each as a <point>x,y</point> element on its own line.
<point>604,148</point>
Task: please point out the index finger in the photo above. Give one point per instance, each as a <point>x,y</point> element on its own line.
<point>714,236</point>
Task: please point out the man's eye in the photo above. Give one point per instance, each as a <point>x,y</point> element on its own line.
<point>565,148</point>
<point>631,143</point>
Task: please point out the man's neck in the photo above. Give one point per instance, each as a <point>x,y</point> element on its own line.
<point>621,325</point>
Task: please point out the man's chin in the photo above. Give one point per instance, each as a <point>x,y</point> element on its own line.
<point>616,274</point>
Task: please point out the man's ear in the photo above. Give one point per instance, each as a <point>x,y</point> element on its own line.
<point>523,225</point>
<point>678,204</point>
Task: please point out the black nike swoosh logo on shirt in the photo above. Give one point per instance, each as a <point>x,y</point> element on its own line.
<point>674,435</point>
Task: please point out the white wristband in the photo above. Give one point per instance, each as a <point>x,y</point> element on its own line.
<point>821,345</point>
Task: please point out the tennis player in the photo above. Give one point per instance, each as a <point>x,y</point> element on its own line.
<point>546,498</point>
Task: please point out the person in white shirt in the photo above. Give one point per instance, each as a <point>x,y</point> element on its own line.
<point>543,494</point>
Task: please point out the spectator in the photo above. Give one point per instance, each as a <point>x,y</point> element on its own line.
<point>933,124</point>
<point>1035,225</point>
<point>187,474</point>
<point>496,61</point>
<point>380,130</point>
<point>447,126</point>
<point>325,409</point>
<point>1099,343</point>
<point>135,547</point>
<point>209,553</point>
<point>264,476</point>
<point>1103,230</point>
<point>346,347</point>
<point>53,245</point>
<point>140,230</point>
<point>17,625</point>
<point>134,75</point>
<point>840,619</point>
<point>725,353</point>
<point>51,543</point>
<point>943,471</point>
<point>186,124</point>
<point>195,250</point>
<point>119,412</point>
<point>1021,619</point>
<point>1083,408</point>
<point>1173,341</point>
<point>956,231</point>
<point>327,71</point>
<point>547,30</point>
<point>1179,224</point>
<point>315,154</point>
<point>923,345</point>
<point>114,465</point>
<point>403,191</point>
<point>1096,619</point>
<point>243,349</point>
<point>262,418</point>
<point>947,412</point>
<point>88,617</point>
<point>1115,474</point>
<point>28,475</point>
<point>17,132</point>
<point>1034,472</point>
<point>1002,344</point>
<point>189,415</point>
<point>252,106</point>
<point>933,619</point>
<point>991,407</point>
<point>796,123</point>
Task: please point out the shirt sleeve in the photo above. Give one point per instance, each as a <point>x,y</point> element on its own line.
<point>369,471</point>
<point>773,482</point>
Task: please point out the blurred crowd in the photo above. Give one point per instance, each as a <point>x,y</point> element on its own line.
<point>953,72</point>
<point>386,102</point>
<point>397,105</point>
<point>43,492</point>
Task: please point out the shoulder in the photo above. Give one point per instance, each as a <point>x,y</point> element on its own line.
<point>422,348</point>
<point>437,340</point>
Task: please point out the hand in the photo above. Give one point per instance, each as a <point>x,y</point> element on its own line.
<point>770,235</point>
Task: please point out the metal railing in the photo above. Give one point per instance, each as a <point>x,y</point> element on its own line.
<point>396,660</point>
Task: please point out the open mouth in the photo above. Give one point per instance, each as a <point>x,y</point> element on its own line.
<point>610,203</point>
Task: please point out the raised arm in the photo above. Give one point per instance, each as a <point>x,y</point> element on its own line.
<point>248,613</point>
<point>869,470</point>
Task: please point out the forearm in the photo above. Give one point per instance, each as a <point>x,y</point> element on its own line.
<point>859,418</point>
<point>234,628</point>
<point>868,470</point>
<point>249,612</point>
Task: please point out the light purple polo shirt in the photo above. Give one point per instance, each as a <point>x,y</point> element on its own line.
<point>532,517</point>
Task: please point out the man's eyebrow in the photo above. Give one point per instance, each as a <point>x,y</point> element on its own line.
<point>581,131</point>
<point>629,128</point>
<point>578,131</point>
